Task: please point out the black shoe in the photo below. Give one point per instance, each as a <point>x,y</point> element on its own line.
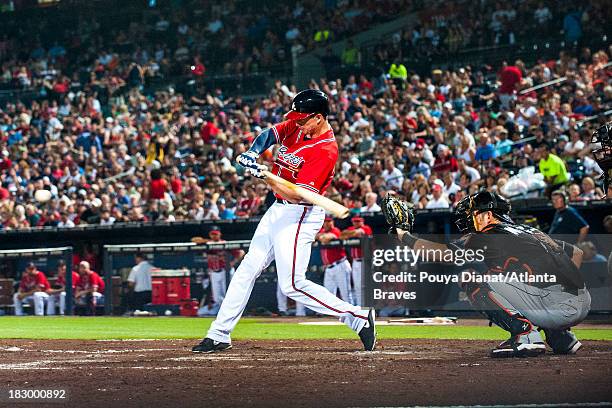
<point>513,347</point>
<point>562,341</point>
<point>368,333</point>
<point>210,346</point>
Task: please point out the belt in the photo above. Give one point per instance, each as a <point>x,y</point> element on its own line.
<point>338,262</point>
<point>217,271</point>
<point>357,259</point>
<point>285,202</point>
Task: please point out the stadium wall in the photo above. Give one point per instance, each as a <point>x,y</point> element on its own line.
<point>429,221</point>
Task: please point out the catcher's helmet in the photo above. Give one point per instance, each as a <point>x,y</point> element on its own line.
<point>307,102</point>
<point>481,201</point>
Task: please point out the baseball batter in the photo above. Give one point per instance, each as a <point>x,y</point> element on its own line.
<point>306,157</point>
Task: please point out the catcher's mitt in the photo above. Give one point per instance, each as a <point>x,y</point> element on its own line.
<point>398,213</point>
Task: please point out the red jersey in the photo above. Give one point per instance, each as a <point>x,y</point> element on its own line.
<point>509,77</point>
<point>157,189</point>
<point>38,281</point>
<point>86,282</point>
<point>61,280</point>
<point>307,162</point>
<point>216,257</point>
<point>333,254</point>
<point>356,252</point>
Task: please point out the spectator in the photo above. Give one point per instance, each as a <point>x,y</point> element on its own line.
<point>438,200</point>
<point>33,289</point>
<point>553,168</point>
<point>590,253</point>
<point>392,175</point>
<point>371,205</point>
<point>350,54</point>
<point>589,191</point>
<point>567,221</point>
<point>510,77</point>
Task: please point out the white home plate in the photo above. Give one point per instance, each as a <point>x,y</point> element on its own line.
<point>11,349</point>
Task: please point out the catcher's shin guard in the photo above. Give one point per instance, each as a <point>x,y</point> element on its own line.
<point>524,340</point>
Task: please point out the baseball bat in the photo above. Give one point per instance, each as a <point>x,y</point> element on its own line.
<point>332,207</point>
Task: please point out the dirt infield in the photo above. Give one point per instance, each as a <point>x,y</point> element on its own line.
<point>300,373</point>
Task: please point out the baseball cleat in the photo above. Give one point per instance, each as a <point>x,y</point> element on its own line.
<point>514,348</point>
<point>367,334</point>
<point>210,346</point>
<point>562,341</point>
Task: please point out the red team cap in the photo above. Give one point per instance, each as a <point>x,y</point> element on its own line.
<point>328,218</point>
<point>355,219</point>
<point>307,103</point>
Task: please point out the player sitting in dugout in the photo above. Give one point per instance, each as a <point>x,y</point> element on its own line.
<point>89,289</point>
<point>518,307</point>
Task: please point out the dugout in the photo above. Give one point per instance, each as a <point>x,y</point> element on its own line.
<point>118,260</point>
<point>13,263</point>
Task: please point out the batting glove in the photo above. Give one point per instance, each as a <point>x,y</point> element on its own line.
<point>248,159</point>
<point>257,171</point>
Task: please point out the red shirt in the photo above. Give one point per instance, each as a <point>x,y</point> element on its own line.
<point>356,252</point>
<point>216,257</point>
<point>332,254</point>
<point>208,132</point>
<point>61,280</point>
<point>89,280</point>
<point>38,281</point>
<point>309,163</point>
<point>158,188</point>
<point>177,185</point>
<point>449,163</point>
<point>509,77</point>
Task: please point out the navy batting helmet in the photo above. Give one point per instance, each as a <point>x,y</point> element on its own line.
<point>308,102</point>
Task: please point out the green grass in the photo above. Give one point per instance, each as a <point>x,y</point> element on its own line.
<point>100,328</point>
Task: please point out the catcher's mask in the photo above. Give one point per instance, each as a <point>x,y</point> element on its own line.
<point>469,206</point>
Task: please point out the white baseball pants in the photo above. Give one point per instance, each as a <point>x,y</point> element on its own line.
<point>52,302</point>
<point>356,270</point>
<point>37,298</point>
<point>285,234</point>
<point>338,278</point>
<point>218,282</point>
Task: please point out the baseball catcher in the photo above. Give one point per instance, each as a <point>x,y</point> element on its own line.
<point>517,307</point>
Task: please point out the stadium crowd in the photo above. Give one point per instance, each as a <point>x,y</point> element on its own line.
<point>445,28</point>
<point>105,48</point>
<point>166,157</point>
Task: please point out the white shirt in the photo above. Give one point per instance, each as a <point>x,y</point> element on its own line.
<point>67,224</point>
<point>452,189</point>
<point>393,178</point>
<point>374,208</point>
<point>110,221</point>
<point>439,203</point>
<point>141,276</point>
